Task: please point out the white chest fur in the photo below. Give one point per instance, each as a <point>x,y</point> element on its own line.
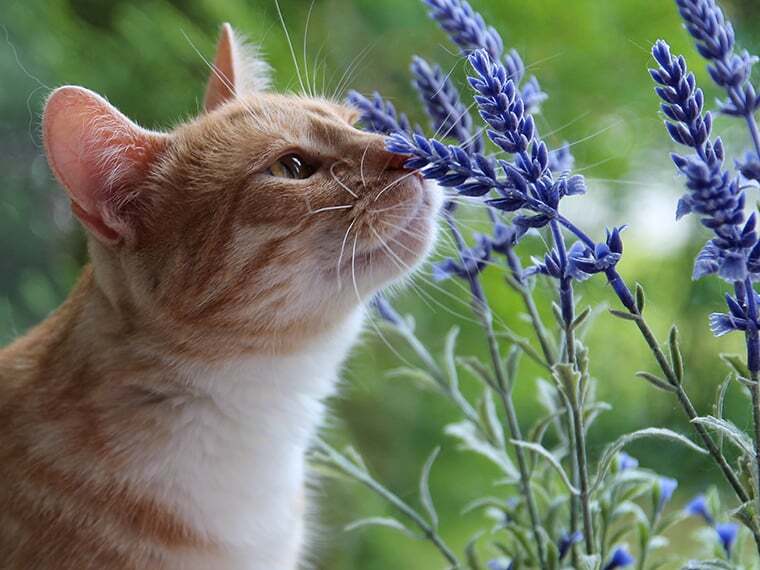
<point>233,466</point>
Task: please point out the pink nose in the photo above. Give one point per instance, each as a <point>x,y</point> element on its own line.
<point>396,161</point>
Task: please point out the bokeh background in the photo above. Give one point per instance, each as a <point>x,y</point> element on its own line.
<point>591,56</point>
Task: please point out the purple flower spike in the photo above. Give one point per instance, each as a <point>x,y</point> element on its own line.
<point>378,115</point>
<point>448,116</point>
<point>715,40</point>
<point>465,26</point>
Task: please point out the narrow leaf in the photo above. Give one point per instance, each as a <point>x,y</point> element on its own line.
<point>425,496</point>
<point>656,381</point>
<point>467,435</point>
<point>473,563</point>
<point>675,353</point>
<point>729,430</point>
<point>736,363</point>
<point>387,522</point>
<point>546,454</point>
<point>624,315</point>
<point>611,451</point>
<point>449,352</point>
<point>580,319</point>
<point>641,298</point>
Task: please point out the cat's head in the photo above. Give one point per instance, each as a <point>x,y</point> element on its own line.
<point>267,215</point>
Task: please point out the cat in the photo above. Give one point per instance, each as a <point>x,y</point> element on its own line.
<point>159,418</point>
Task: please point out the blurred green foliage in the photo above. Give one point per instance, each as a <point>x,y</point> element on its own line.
<point>591,56</point>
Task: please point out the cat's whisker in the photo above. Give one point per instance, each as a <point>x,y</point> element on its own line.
<point>403,267</point>
<point>430,283</point>
<point>221,77</point>
<point>305,44</point>
<point>317,66</point>
<point>438,134</point>
<point>340,183</point>
<point>394,183</point>
<point>478,132</point>
<point>361,166</point>
<point>342,251</point>
<point>290,45</point>
<point>331,208</point>
<point>566,125</point>
<point>351,69</point>
<point>419,235</point>
<point>448,75</point>
<point>362,302</point>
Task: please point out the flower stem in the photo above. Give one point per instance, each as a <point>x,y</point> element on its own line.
<point>754,132</point>
<point>483,312</point>
<point>683,397</point>
<point>567,304</point>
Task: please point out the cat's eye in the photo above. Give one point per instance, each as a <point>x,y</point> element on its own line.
<point>291,166</point>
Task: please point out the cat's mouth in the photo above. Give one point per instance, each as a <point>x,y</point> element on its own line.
<point>399,242</point>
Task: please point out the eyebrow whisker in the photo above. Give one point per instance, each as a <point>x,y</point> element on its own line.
<point>330,208</point>
<point>340,183</point>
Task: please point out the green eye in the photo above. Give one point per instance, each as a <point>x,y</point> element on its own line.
<point>291,166</point>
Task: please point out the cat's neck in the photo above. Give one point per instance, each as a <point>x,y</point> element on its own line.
<point>220,443</point>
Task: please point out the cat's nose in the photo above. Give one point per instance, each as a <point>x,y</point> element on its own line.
<point>395,161</point>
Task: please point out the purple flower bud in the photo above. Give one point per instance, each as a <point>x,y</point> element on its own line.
<point>727,534</point>
<point>697,507</point>
<point>620,559</point>
<point>625,461</point>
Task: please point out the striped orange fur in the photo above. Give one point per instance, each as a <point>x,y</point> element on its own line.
<point>158,419</point>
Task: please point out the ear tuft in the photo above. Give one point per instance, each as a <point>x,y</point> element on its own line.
<point>237,69</point>
<point>98,155</point>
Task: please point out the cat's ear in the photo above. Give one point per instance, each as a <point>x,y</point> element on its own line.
<point>237,69</point>
<point>99,156</point>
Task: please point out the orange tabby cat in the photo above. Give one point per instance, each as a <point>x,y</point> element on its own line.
<point>159,418</point>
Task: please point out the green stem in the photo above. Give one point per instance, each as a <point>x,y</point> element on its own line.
<point>575,395</point>
<point>535,319</point>
<point>585,500</point>
<point>754,376</point>
<point>505,393</point>
<point>690,410</point>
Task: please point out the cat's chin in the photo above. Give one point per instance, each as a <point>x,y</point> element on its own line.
<point>405,246</point>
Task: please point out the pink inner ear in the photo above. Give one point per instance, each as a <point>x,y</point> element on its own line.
<point>96,153</point>
<point>221,84</point>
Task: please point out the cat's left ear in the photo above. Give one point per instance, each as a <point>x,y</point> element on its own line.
<point>100,157</point>
<point>237,69</point>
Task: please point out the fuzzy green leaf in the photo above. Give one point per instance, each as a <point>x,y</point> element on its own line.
<point>641,298</point>
<point>425,496</point>
<point>611,451</point>
<point>656,381</point>
<point>387,522</point>
<point>624,315</point>
<point>546,454</point>
<point>726,428</point>
<point>736,363</point>
<point>449,352</point>
<point>676,356</point>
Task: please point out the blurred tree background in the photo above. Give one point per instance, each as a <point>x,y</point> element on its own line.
<point>146,56</point>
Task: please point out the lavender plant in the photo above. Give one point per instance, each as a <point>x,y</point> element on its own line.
<point>571,509</point>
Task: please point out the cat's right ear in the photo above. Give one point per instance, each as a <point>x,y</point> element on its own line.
<point>237,69</point>
<point>100,157</point>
